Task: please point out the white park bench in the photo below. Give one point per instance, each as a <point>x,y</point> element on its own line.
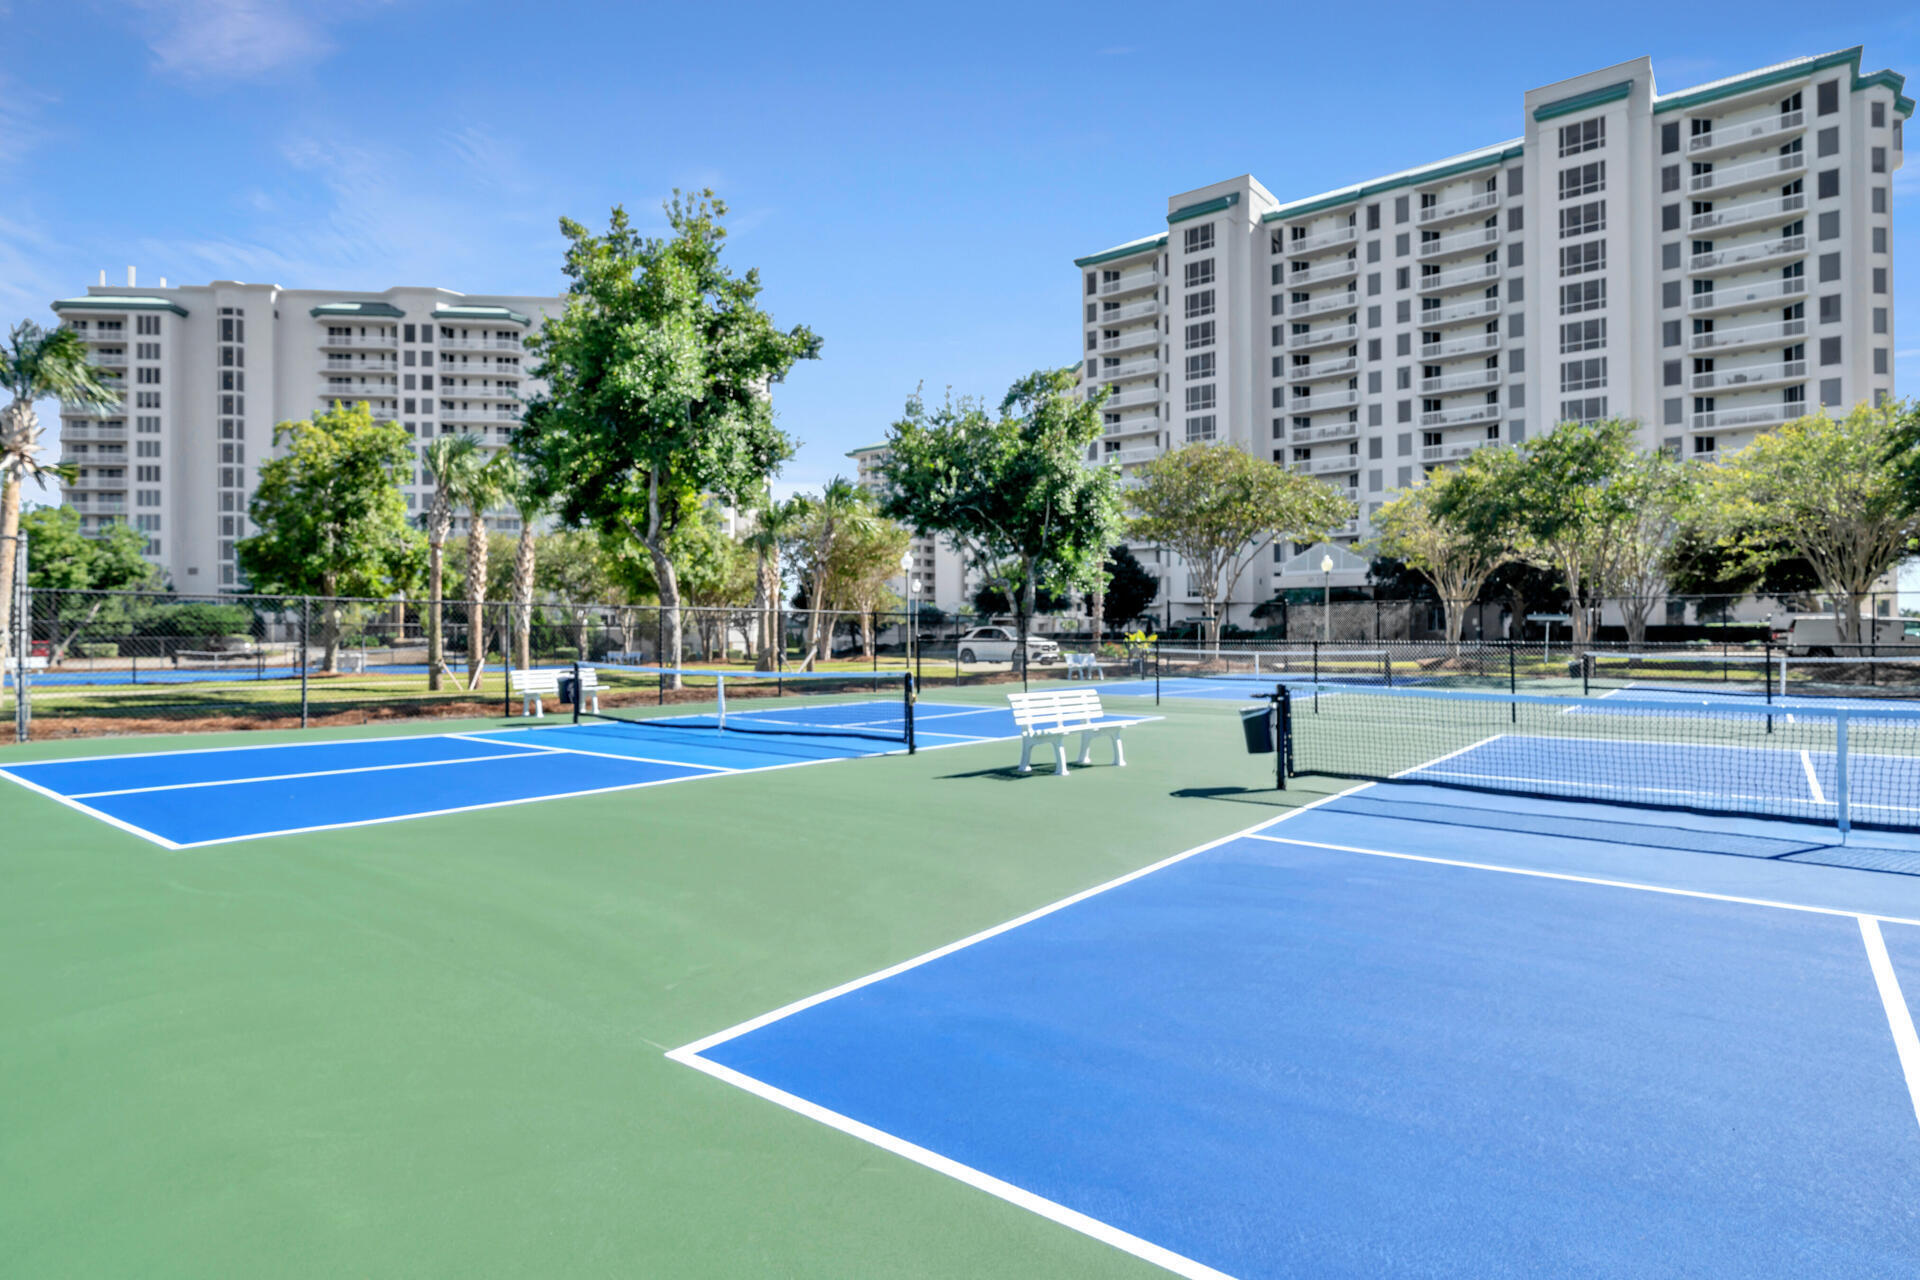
<point>589,691</point>
<point>1053,714</point>
<point>1085,666</point>
<point>531,685</point>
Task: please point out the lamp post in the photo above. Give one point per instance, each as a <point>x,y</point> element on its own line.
<point>1326,597</point>
<point>911,585</point>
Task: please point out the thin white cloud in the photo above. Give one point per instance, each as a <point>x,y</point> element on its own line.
<point>239,39</point>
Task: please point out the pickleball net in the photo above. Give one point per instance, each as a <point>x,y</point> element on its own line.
<point>871,705</point>
<point>1768,673</point>
<point>1265,667</point>
<point>1843,766</point>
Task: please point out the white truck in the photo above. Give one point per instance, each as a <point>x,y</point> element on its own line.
<point>1817,635</point>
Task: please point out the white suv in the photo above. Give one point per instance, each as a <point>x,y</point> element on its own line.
<point>996,644</point>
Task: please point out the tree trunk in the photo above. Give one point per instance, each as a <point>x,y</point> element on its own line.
<point>477,550</point>
<point>669,584</point>
<point>523,597</point>
<point>9,536</point>
<point>1099,616</point>
<point>330,627</point>
<point>436,641</point>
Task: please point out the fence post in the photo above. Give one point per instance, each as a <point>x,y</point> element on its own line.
<point>306,610</point>
<point>21,625</point>
<point>506,663</point>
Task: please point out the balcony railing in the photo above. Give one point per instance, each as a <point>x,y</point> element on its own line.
<point>1458,313</point>
<point>1130,340</point>
<point>97,503</point>
<point>1478,203</point>
<point>1321,466</point>
<point>1459,278</point>
<point>1752,375</point>
<point>1345,366</point>
<point>1452,451</point>
<point>1321,242</point>
<point>1760,293</point>
<point>360,364</point>
<point>478,393</point>
<point>1759,415</point>
<point>1460,346</point>
<point>1724,136</point>
<point>481,344</point>
<point>1133,396</point>
<point>361,341</point>
<point>1129,283</point>
<point>1473,380</point>
<point>1337,269</point>
<point>1461,416</point>
<point>1130,369</point>
<point>486,413</point>
<point>1127,457</point>
<point>1142,310</point>
<point>1321,306</point>
<point>109,360</point>
<point>1753,173</point>
<point>1134,425</point>
<point>97,431</point>
<point>1751,335</point>
<point>1465,242</point>
<point>1343,399</point>
<point>1332,431</point>
<point>97,334</point>
<point>1323,337</point>
<point>383,391</point>
<point>1750,213</point>
<point>481,369</point>
<point>1749,254</point>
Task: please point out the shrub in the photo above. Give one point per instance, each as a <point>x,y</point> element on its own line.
<point>563,655</point>
<point>98,649</point>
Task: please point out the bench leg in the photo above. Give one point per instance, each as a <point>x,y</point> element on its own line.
<point>1026,755</point>
<point>1086,746</point>
<point>1119,756</point>
<point>595,695</point>
<point>1060,755</point>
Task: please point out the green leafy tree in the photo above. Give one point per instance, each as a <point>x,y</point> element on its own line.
<point>841,512</point>
<point>866,559</point>
<point>1013,491</point>
<point>1218,507</point>
<point>448,462</point>
<point>991,596</point>
<point>1656,495</point>
<point>1130,589</point>
<point>331,516</point>
<point>575,571</point>
<point>81,570</point>
<point>656,376</point>
<point>1455,556</point>
<point>1698,566</point>
<point>36,364</point>
<point>1831,492</point>
<point>774,540</point>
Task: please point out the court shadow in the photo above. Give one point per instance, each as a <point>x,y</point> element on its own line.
<point>1262,798</point>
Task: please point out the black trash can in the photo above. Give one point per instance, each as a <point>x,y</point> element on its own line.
<point>1257,724</point>
<point>569,689</point>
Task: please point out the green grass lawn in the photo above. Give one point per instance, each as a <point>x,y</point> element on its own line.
<point>434,1047</point>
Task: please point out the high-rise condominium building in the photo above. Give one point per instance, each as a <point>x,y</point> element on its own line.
<point>207,371</point>
<point>1710,263</point>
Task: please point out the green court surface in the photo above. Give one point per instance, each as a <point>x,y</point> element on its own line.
<point>436,1047</point>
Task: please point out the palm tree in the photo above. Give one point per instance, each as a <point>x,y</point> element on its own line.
<point>35,364</point>
<point>530,506</point>
<point>777,526</point>
<point>447,460</point>
<point>842,507</point>
<point>485,487</point>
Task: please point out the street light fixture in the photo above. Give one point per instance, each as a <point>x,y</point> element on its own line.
<point>1326,597</point>
<point>908,581</point>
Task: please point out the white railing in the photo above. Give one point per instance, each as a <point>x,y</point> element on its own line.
<point>1344,399</point>
<point>1321,466</point>
<point>1135,425</point>
<point>82,431</point>
<point>480,344</point>
<point>1478,309</point>
<point>1128,341</point>
<point>1460,208</point>
<point>1452,452</point>
<point>367,342</point>
<point>360,364</point>
<point>1732,135</point>
<point>1459,277</point>
<point>1131,311</point>
<point>1465,242</point>
<point>1322,337</point>
<point>1130,369</point>
<point>1320,306</point>
<point>1740,295</point>
<point>1460,346</point>
<point>450,367</point>
<point>1332,431</point>
<point>1324,369</point>
<point>1338,269</point>
<point>83,502</point>
<point>1750,375</point>
<point>1122,399</point>
<point>1775,209</point>
<point>1469,381</point>
<point>1747,335</point>
<point>1322,241</point>
<point>1129,282</point>
<point>1126,457</point>
<point>1760,415</point>
<point>362,391</point>
<point>478,393</point>
<point>109,360</point>
<point>1760,251</point>
<point>1743,174</point>
<point>1461,416</point>
<point>102,334</point>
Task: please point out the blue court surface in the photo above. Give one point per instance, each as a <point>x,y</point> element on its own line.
<point>1747,697</point>
<point>1416,1031</point>
<point>182,799</point>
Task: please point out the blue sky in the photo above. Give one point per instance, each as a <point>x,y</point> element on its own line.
<point>912,182</point>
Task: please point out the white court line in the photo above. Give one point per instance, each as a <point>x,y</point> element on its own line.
<point>603,755</point>
<point>1813,781</point>
<point>311,773</point>
<point>91,812</point>
<point>1577,879</point>
<point>1899,1018</point>
<point>160,749</point>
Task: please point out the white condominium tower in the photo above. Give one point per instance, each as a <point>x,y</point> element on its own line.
<point>1711,263</point>
<point>207,371</point>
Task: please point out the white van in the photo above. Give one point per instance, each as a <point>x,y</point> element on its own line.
<point>1817,635</point>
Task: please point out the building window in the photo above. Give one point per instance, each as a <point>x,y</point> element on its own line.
<point>1583,219</point>
<point>1199,239</point>
<point>1583,179</point>
<point>1200,397</point>
<point>1586,135</point>
<point>1583,335</point>
<point>1200,304</point>
<point>1583,259</point>
<point>1583,375</point>
<point>1199,273</point>
<point>1200,335</point>
<point>1200,366</point>
<point>1591,409</point>
<point>1201,428</point>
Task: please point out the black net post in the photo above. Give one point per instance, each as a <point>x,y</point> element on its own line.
<point>506,664</point>
<point>1156,671</point>
<point>306,623</point>
<point>907,698</point>
<point>1282,736</point>
<point>1513,684</point>
<point>659,658</point>
<point>577,699</point>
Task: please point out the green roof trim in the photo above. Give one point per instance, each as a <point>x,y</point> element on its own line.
<point>120,302</point>
<point>364,310</point>
<point>1415,178</point>
<point>1131,249</point>
<point>1759,80</point>
<point>1205,207</point>
<point>1887,80</point>
<point>1583,101</point>
<point>868,448</point>
<point>501,315</point>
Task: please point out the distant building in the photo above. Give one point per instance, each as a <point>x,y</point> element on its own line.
<point>937,563</point>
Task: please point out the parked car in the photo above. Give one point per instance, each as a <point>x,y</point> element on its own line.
<point>1817,635</point>
<point>997,644</point>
